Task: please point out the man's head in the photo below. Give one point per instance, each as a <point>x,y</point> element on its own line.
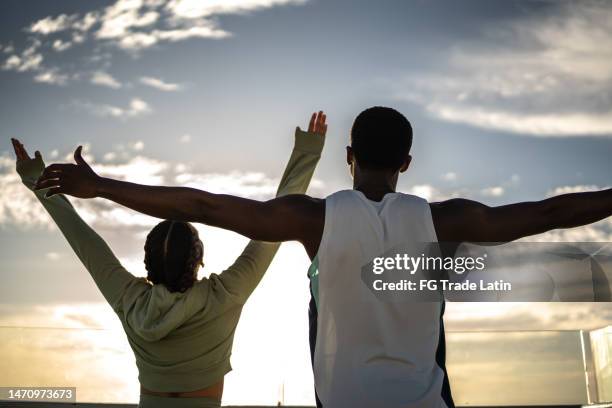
<point>173,255</point>
<point>381,139</point>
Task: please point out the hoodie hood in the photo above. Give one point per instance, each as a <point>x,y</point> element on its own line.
<point>157,311</point>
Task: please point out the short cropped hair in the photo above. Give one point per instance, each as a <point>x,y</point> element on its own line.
<point>381,138</point>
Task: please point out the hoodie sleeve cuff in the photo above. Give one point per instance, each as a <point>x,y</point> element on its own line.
<point>309,142</point>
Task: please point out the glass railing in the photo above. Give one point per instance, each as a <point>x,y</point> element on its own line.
<point>496,368</point>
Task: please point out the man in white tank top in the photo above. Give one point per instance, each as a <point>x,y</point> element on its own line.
<point>370,352</point>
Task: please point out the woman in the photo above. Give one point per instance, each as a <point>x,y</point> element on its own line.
<point>181,329</point>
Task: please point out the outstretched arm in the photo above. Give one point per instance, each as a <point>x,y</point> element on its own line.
<point>106,270</point>
<point>243,276</point>
<point>286,218</point>
<point>460,220</point>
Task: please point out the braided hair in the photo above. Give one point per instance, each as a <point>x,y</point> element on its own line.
<point>173,254</point>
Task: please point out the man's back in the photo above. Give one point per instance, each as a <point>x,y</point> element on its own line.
<point>371,347</point>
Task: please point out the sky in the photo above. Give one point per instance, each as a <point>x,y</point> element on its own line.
<point>509,101</point>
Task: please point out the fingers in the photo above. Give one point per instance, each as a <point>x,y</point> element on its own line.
<point>16,148</point>
<point>321,122</point>
<point>311,125</point>
<point>20,151</point>
<point>54,191</point>
<point>24,152</point>
<point>320,127</point>
<point>78,158</point>
<point>52,172</point>
<point>55,168</point>
<point>47,183</point>
<point>317,123</point>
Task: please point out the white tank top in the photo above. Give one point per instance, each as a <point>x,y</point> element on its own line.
<point>370,352</point>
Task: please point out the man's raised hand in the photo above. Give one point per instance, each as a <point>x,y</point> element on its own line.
<point>77,180</point>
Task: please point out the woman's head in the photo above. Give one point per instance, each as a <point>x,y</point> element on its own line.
<point>173,255</point>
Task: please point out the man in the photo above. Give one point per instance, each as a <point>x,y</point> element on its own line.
<point>369,352</point>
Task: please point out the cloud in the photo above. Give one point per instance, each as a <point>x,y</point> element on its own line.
<point>53,256</point>
<point>449,176</point>
<point>432,193</point>
<point>574,189</point>
<point>59,45</point>
<point>186,138</point>
<point>194,9</point>
<point>110,156</point>
<point>129,25</point>
<point>138,146</point>
<point>29,60</point>
<point>51,76</point>
<point>120,18</point>
<point>246,184</point>
<point>139,24</point>
<point>541,75</point>
<point>496,191</point>
<point>50,25</point>
<point>104,79</point>
<point>23,63</point>
<point>159,84</point>
<point>137,107</point>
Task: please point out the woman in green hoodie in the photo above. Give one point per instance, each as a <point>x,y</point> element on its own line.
<point>181,329</point>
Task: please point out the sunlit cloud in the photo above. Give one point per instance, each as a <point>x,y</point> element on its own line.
<point>49,25</point>
<point>59,45</point>
<point>246,184</point>
<point>53,256</point>
<point>29,60</point>
<point>138,145</point>
<point>545,75</point>
<point>105,79</point>
<point>449,176</point>
<point>51,76</point>
<point>160,84</point>
<point>581,188</point>
<point>137,107</point>
<point>134,25</point>
<point>129,25</point>
<point>496,191</point>
<point>194,9</point>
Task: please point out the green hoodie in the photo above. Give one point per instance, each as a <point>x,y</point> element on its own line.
<point>182,341</point>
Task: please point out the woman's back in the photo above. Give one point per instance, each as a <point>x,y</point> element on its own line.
<point>182,341</point>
